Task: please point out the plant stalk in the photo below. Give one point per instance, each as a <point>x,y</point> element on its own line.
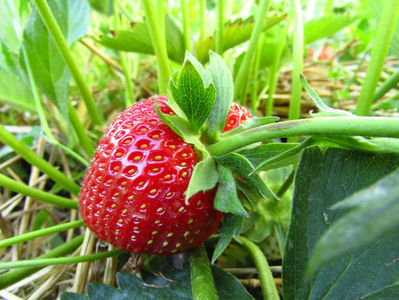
<point>40,232</point>
<point>240,83</point>
<point>55,31</point>
<point>26,190</point>
<point>327,126</point>
<point>379,52</point>
<point>159,43</point>
<point>31,157</point>
<point>269,288</point>
<point>297,56</point>
<point>220,6</point>
<point>202,19</point>
<point>186,25</point>
<point>202,283</point>
<point>43,262</point>
<point>14,276</point>
<point>389,84</point>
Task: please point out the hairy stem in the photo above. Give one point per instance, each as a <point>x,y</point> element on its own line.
<point>384,35</point>
<point>40,232</point>
<point>269,288</point>
<point>328,126</point>
<point>202,283</point>
<point>55,31</point>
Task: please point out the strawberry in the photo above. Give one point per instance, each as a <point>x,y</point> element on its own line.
<point>133,194</point>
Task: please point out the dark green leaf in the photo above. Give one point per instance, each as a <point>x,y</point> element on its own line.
<point>190,94</point>
<point>73,296</point>
<point>265,152</point>
<point>242,167</point>
<point>231,227</point>
<point>138,39</point>
<point>251,123</point>
<point>228,287</point>
<point>374,216</point>
<point>327,26</point>
<point>223,82</point>
<point>204,177</point>
<point>226,199</point>
<point>323,179</point>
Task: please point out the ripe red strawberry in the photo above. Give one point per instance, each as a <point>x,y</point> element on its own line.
<point>133,192</point>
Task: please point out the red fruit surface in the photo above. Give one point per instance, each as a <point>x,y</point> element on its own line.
<point>133,194</point>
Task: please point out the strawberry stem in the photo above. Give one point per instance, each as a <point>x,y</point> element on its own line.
<point>43,262</point>
<point>26,190</point>
<point>202,283</point>
<point>14,276</point>
<point>41,232</point>
<point>31,157</point>
<point>327,126</point>
<point>265,275</point>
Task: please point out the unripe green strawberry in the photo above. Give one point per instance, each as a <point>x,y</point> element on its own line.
<point>133,194</point>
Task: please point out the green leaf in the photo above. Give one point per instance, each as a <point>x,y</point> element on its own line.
<point>192,96</point>
<point>49,70</point>
<point>235,32</point>
<point>251,123</point>
<point>14,86</point>
<point>231,228</point>
<point>102,6</point>
<point>265,152</point>
<point>204,177</point>
<point>328,25</point>
<point>223,81</point>
<point>322,180</point>
<point>226,199</point>
<point>228,287</point>
<point>374,216</point>
<point>137,39</point>
<point>242,167</point>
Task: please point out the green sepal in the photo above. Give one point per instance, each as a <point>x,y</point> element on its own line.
<point>189,92</point>
<point>204,177</point>
<point>226,199</point>
<point>242,167</point>
<point>179,125</point>
<point>231,228</point>
<point>223,82</point>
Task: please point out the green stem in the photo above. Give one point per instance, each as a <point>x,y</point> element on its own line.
<point>26,190</point>
<point>186,25</point>
<point>220,6</point>
<point>202,283</point>
<point>241,81</point>
<point>379,52</point>
<point>287,183</point>
<point>202,19</point>
<point>159,43</point>
<point>255,79</point>
<point>269,288</point>
<point>297,56</point>
<point>31,157</point>
<point>80,131</point>
<point>388,84</point>
<point>275,71</point>
<point>55,31</point>
<point>129,94</point>
<point>14,276</point>
<point>43,262</point>
<point>328,126</point>
<point>72,153</point>
<point>39,233</point>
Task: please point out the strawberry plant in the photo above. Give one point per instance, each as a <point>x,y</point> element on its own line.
<point>146,155</point>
